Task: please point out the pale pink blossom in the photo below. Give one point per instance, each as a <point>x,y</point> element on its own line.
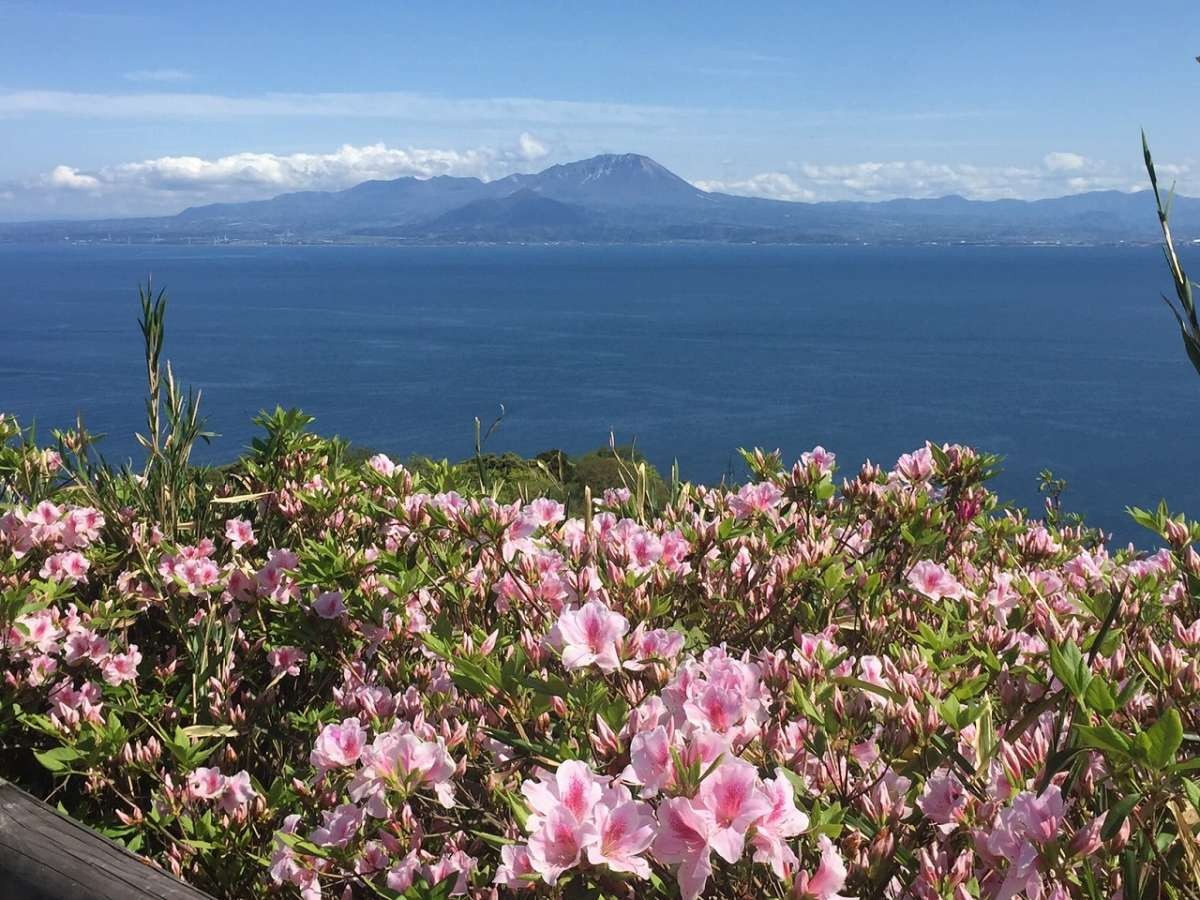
<point>916,466</point>
<point>70,566</point>
<point>934,581</point>
<point>574,787</point>
<point>944,800</point>
<point>382,464</point>
<point>339,745</point>
<point>827,880</point>
<point>624,830</point>
<point>401,759</point>
<point>683,839</point>
<point>589,636</point>
<point>731,797</point>
<point>239,533</point>
<point>82,645</point>
<point>329,605</point>
<point>286,661</point>
<point>558,842</point>
<point>122,667</point>
<point>545,512</point>
<point>40,630</point>
<point>820,457</point>
<point>650,761</point>
<point>514,865</point>
<point>238,792</point>
<point>339,826</point>
<point>206,783</point>
<point>780,823</point>
<point>755,498</point>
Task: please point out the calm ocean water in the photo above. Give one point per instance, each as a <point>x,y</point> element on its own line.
<point>1055,357</point>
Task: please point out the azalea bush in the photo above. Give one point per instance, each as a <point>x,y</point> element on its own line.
<point>308,674</point>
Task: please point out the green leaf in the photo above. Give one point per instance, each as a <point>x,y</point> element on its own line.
<point>1104,737</point>
<point>56,760</point>
<point>1068,666</point>
<point>1162,739</point>
<point>194,732</point>
<point>1117,815</point>
<point>871,688</point>
<point>1193,793</point>
<point>1099,697</point>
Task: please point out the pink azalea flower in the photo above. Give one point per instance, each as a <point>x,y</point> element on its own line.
<point>916,466</point>
<point>543,511</point>
<point>41,631</point>
<point>339,827</point>
<point>645,549</point>
<point>715,708</point>
<point>81,527</point>
<point>683,838</point>
<point>238,792</point>
<point>781,822</point>
<point>558,842</point>
<point>934,581</point>
<point>589,636</point>
<point>755,498</point>
<point>457,865</point>
<point>650,762</point>
<point>625,828</point>
<point>41,668</point>
<point>338,745</point>
<point>732,798</point>
<point>239,533</point>
<point>675,548</point>
<point>514,865</point>
<point>820,457</point>
<point>286,660</point>
<point>69,566</point>
<point>84,645</point>
<point>329,605</point>
<point>382,464</point>
<point>944,800</point>
<point>206,784</point>
<point>1041,815</point>
<point>574,787</point>
<point>122,667</point>
<point>829,878</point>
<point>401,759</point>
<point>660,644</point>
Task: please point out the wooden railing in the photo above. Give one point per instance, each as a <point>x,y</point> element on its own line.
<point>46,856</point>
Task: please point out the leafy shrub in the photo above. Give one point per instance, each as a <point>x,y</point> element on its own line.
<point>309,674</point>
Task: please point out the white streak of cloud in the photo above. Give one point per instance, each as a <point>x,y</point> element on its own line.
<point>379,105</point>
<point>158,75</point>
<point>1057,174</point>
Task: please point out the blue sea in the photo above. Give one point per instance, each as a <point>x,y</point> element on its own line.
<point>1059,358</point>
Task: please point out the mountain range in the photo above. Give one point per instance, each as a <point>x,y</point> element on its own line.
<point>623,198</point>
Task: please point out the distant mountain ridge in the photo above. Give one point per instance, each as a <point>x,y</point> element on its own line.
<point>624,197</point>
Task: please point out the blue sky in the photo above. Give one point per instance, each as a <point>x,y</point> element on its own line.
<point>110,108</point>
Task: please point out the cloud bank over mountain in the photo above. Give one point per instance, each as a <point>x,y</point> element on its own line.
<point>167,184</point>
<point>1058,174</point>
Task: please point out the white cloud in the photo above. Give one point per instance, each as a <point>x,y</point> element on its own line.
<point>1065,162</point>
<point>772,185</point>
<point>168,183</point>
<point>531,147</point>
<point>378,105</point>
<point>67,177</point>
<point>1057,174</point>
<point>159,75</point>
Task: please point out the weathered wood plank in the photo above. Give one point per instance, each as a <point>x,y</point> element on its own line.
<point>46,856</point>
